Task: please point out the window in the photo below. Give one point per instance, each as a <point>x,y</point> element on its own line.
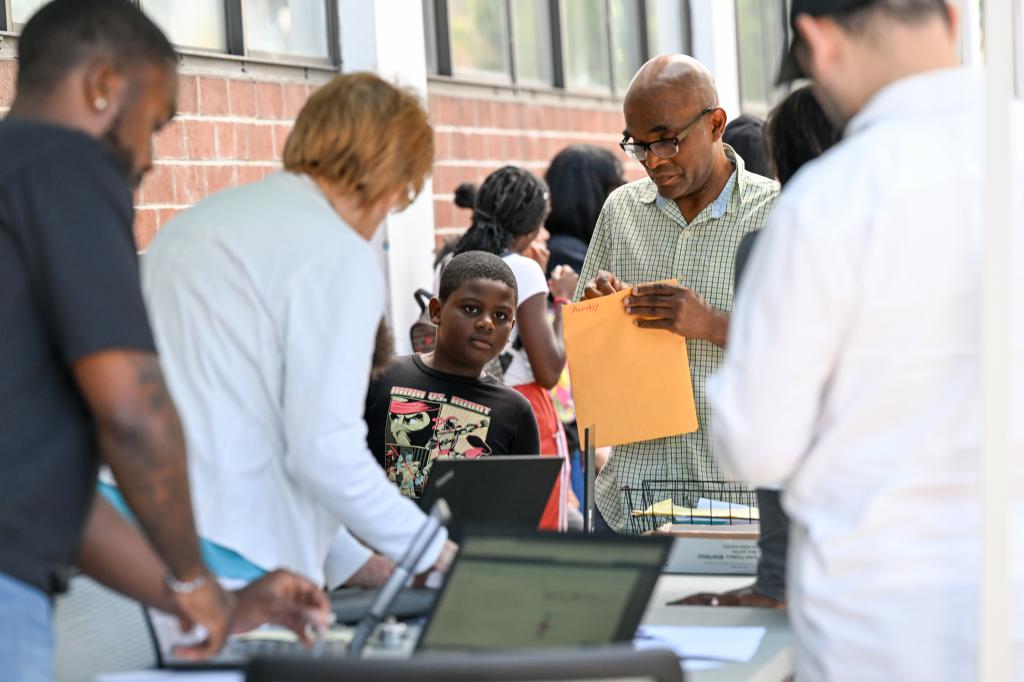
<point>761,39</point>
<point>479,39</point>
<point>585,45</point>
<point>196,24</point>
<point>668,27</point>
<point>296,31</point>
<point>1018,47</point>
<point>531,38</point>
<point>627,41</point>
<point>286,27</point>
<point>22,10</point>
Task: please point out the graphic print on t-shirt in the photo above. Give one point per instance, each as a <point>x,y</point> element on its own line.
<point>423,426</point>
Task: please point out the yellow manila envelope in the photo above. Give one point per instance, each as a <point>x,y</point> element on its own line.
<point>630,384</point>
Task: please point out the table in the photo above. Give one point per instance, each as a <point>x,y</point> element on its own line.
<point>773,661</point>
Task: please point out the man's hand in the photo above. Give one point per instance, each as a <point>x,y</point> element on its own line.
<point>282,598</point>
<point>211,607</point>
<point>372,574</point>
<point>446,557</point>
<point>679,310</point>
<point>604,284</point>
<point>744,596</point>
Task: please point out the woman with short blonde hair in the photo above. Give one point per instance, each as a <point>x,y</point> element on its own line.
<point>265,300</point>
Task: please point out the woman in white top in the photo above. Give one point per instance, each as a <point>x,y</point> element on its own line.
<point>508,214</point>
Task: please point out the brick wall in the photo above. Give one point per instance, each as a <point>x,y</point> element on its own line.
<point>476,135</point>
<point>227,131</point>
<point>231,130</point>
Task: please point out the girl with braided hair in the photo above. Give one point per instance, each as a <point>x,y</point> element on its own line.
<point>508,214</point>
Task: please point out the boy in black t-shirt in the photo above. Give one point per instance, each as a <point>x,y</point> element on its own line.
<point>443,404</point>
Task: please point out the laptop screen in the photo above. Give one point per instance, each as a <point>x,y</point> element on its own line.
<point>510,592</point>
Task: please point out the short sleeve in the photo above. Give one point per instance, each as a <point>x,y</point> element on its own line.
<point>527,440</point>
<point>74,216</point>
<point>530,279</point>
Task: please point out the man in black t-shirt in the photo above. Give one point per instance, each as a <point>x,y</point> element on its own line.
<point>443,404</point>
<point>80,383</point>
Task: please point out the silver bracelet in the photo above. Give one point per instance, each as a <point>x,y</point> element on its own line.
<point>185,586</point>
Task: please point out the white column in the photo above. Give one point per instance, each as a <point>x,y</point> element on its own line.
<point>386,37</point>
<point>994,633</point>
<point>713,26</point>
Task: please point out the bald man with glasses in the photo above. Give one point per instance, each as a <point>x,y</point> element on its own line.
<point>683,221</point>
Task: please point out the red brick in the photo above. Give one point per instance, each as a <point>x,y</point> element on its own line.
<point>486,114</point>
<point>463,112</point>
<point>478,146</point>
<point>8,78</point>
<point>170,142</point>
<point>145,227</point>
<point>281,132</point>
<point>442,146</point>
<point>442,213</point>
<point>220,177</point>
<point>213,96</point>
<point>188,95</point>
<point>460,146</point>
<point>226,135</point>
<point>242,98</point>
<point>447,178</point>
<point>269,100</point>
<point>189,184</point>
<point>294,95</point>
<point>534,115</point>
<point>200,142</point>
<point>259,142</point>
<point>434,107</point>
<point>158,186</point>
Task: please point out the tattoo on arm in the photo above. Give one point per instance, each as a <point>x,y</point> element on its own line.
<point>145,447</point>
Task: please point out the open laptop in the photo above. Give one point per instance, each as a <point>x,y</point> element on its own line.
<point>510,589</point>
<point>497,490</point>
<point>513,590</point>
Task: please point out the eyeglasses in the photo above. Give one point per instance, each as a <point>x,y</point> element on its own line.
<point>664,148</point>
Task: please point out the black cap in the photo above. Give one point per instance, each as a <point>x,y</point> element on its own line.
<point>790,69</point>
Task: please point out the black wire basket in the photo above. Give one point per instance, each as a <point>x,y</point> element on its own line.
<point>657,503</point>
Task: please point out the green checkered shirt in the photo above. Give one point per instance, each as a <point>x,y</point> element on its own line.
<point>642,237</point>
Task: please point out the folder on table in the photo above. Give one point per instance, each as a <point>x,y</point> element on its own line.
<point>633,384</point>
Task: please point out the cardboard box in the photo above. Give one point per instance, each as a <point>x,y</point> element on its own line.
<point>727,549</point>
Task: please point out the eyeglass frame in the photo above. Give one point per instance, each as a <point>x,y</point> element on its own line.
<point>679,137</point>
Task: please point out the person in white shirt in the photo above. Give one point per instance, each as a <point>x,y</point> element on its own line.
<point>853,366</point>
<point>265,300</point>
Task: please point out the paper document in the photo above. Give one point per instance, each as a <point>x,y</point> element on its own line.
<point>631,384</point>
<point>733,644</point>
<point>716,510</point>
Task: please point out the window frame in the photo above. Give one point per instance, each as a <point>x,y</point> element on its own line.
<point>443,56</point>
<point>234,26</point>
<point>776,93</point>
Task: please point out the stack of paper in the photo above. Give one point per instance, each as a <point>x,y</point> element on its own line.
<point>705,509</point>
<point>702,648</point>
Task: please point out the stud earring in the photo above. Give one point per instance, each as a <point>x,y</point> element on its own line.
<point>100,103</point>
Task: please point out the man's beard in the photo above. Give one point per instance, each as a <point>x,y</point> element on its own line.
<point>122,153</point>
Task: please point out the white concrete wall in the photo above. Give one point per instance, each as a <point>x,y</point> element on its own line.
<point>386,37</point>
<point>714,43</point>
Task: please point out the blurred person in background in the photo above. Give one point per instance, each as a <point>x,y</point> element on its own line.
<point>508,215</point>
<point>579,178</point>
<point>797,132</point>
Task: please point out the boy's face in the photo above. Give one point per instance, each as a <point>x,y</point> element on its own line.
<point>473,325</point>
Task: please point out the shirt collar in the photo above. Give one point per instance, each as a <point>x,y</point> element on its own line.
<point>926,94</point>
<point>649,192</point>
